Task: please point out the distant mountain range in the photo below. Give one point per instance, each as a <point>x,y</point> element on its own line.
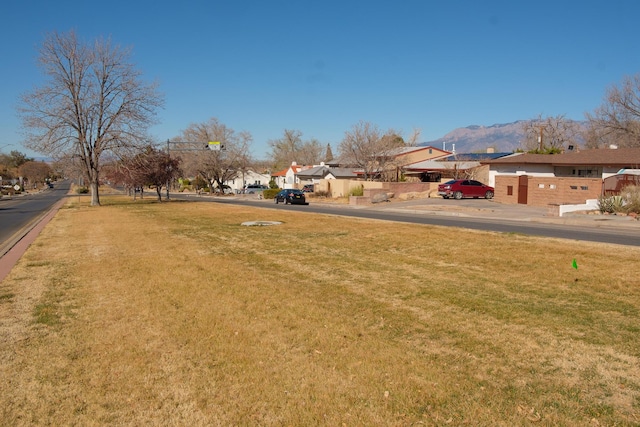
<point>477,139</point>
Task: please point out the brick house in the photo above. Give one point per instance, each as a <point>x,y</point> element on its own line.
<point>567,178</point>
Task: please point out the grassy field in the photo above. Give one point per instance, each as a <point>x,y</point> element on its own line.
<point>146,313</point>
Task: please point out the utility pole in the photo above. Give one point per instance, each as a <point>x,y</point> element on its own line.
<point>540,139</point>
<point>168,183</point>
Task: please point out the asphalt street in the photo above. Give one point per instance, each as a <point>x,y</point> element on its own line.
<point>477,214</point>
<point>21,212</point>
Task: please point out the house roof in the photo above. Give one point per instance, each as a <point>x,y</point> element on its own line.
<point>283,172</point>
<point>622,157</point>
<point>400,151</point>
<point>317,172</point>
<point>435,165</point>
<point>296,169</point>
<point>344,172</point>
<point>475,157</point>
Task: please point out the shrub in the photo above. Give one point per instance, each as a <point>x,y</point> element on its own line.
<point>628,201</point>
<point>270,193</point>
<point>82,190</point>
<point>199,182</point>
<point>611,204</point>
<point>631,197</point>
<point>357,191</point>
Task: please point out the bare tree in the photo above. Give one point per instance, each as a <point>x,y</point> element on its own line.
<point>285,149</point>
<point>291,148</point>
<point>218,166</point>
<point>617,120</point>
<point>310,152</point>
<point>414,138</point>
<point>366,147</point>
<point>550,134</point>
<point>93,103</point>
<point>35,172</point>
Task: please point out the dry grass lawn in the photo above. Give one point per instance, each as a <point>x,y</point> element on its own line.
<point>146,313</point>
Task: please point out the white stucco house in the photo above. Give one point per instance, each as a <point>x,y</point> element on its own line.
<point>247,178</point>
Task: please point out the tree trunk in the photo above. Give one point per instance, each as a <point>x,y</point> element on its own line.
<point>95,197</point>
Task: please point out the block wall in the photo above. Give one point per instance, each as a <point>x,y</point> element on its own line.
<point>544,191</point>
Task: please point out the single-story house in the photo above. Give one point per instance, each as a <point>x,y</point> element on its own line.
<point>315,174</point>
<point>296,176</point>
<point>408,155</point>
<point>288,178</point>
<point>555,179</point>
<point>453,166</point>
<point>249,177</point>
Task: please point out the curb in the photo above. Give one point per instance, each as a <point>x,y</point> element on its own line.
<point>17,244</point>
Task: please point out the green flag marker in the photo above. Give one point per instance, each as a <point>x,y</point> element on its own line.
<point>574,264</point>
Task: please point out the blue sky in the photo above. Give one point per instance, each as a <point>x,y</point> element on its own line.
<point>322,66</point>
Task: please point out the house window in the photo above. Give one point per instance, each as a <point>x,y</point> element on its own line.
<point>552,186</point>
<point>540,185</point>
<point>587,172</point>
<point>584,187</point>
<point>430,151</point>
<point>509,190</point>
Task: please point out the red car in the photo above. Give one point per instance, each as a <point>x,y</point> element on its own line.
<point>459,188</point>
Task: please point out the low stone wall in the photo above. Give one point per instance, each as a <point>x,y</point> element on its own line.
<point>544,191</point>
<point>359,200</point>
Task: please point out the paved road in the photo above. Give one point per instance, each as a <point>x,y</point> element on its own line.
<point>20,213</point>
<point>477,214</point>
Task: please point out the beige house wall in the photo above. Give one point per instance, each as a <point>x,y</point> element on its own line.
<point>544,191</point>
<point>416,156</point>
<point>343,187</point>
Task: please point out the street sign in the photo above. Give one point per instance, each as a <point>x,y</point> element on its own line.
<point>216,146</point>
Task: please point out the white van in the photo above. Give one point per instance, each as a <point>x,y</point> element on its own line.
<point>255,188</point>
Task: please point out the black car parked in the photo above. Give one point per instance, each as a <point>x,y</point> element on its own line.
<point>291,196</point>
